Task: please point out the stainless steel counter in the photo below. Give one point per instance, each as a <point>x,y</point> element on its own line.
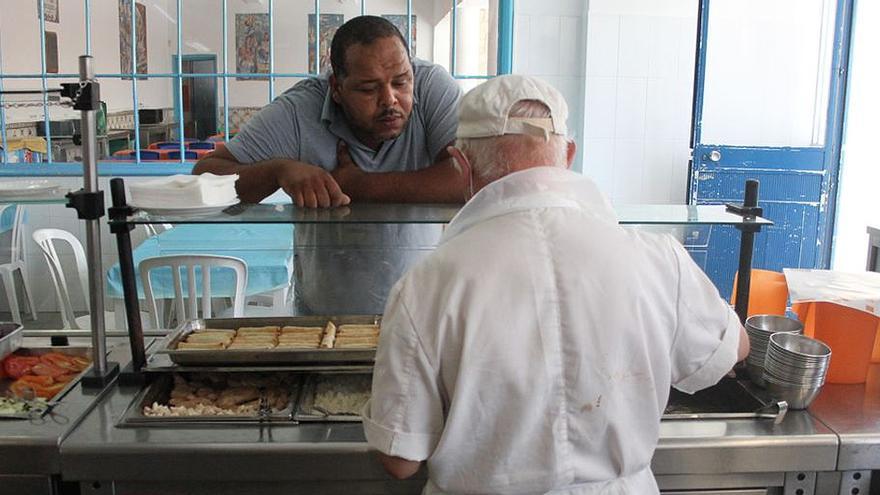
<point>853,412</point>
<point>334,458</point>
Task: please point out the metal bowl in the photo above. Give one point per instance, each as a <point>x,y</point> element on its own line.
<point>800,347</point>
<point>770,324</point>
<point>786,377</point>
<point>797,397</point>
<point>761,327</point>
<point>756,374</point>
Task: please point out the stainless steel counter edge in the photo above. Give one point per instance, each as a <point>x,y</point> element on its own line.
<point>747,454</point>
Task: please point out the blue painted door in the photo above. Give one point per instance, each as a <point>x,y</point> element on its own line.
<point>768,106</point>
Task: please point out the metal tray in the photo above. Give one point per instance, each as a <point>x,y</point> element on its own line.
<point>305,409</point>
<point>11,337</point>
<point>197,357</point>
<point>55,399</point>
<point>160,391</point>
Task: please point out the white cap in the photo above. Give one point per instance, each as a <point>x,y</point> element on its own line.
<point>484,110</point>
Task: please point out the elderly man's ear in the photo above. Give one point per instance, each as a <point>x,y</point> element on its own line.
<point>570,151</point>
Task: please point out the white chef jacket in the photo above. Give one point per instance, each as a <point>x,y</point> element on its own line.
<point>533,351</point>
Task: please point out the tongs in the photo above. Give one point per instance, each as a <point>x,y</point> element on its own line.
<point>264,410</point>
<point>775,411</point>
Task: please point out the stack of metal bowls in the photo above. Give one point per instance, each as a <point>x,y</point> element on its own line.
<point>760,328</point>
<point>795,368</point>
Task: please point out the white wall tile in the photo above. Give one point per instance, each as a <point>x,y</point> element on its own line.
<point>522,44</point>
<point>629,169</point>
<point>687,42</point>
<point>664,47</point>
<point>600,107</point>
<point>635,46</point>
<point>571,46</point>
<point>603,32</point>
<point>663,109</point>
<point>599,163</point>
<point>657,8</point>
<point>544,37</point>
<point>659,157</point>
<point>557,7</point>
<point>631,104</point>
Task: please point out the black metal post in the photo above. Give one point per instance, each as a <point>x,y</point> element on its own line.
<point>119,226</point>
<point>746,248</point>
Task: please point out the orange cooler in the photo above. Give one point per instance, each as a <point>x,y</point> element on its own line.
<point>849,333</point>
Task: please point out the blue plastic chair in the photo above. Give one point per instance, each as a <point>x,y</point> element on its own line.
<point>175,155</point>
<point>200,145</point>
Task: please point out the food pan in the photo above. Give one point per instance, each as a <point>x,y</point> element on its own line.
<point>160,391</point>
<point>41,409</point>
<point>308,406</point>
<point>11,337</point>
<point>236,357</point>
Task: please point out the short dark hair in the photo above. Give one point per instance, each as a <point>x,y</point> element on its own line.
<point>361,30</point>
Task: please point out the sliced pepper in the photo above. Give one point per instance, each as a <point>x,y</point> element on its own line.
<point>59,360</point>
<point>41,380</point>
<point>18,366</point>
<point>46,369</point>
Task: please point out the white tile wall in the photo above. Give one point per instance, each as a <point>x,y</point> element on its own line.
<point>634,45</point>
<point>637,98</point>
<point>603,35</point>
<point>601,104</point>
<point>629,170</point>
<point>555,7</point>
<point>545,40</point>
<point>630,108</point>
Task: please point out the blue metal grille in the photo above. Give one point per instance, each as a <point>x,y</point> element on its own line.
<point>504,64</point>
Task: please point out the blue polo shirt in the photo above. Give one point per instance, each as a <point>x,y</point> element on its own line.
<point>349,268</point>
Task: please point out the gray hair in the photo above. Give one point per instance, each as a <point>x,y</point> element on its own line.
<point>494,157</point>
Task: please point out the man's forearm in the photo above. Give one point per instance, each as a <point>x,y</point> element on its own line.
<point>255,181</point>
<point>439,183</point>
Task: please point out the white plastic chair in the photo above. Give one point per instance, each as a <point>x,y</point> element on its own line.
<point>206,262</point>
<point>153,229</point>
<point>48,240</point>
<point>18,264</point>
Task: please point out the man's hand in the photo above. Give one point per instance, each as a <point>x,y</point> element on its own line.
<point>347,174</point>
<point>310,186</point>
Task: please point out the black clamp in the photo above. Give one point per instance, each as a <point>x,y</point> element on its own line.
<point>88,205</point>
<point>86,95</point>
<point>749,209</point>
<point>118,214</point>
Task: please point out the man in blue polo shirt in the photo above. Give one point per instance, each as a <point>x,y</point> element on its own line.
<point>376,129</point>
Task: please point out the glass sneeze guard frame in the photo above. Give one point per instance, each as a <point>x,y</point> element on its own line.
<point>429,213</point>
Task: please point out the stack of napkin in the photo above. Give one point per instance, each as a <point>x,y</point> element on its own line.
<point>184,191</point>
